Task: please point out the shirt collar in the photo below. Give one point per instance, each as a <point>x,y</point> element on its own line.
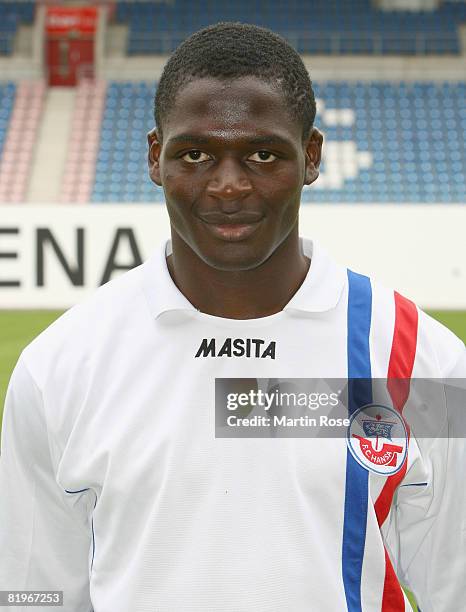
<point>161,292</point>
<point>319,292</point>
<point>322,288</point>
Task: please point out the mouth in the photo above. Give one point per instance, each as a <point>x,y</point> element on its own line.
<point>233,232</point>
<point>233,229</point>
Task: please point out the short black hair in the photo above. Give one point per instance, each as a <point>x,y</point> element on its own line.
<point>229,50</point>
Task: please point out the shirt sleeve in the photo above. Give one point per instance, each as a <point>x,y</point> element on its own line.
<point>430,521</point>
<point>44,544</point>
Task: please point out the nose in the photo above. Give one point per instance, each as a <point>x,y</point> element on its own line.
<point>229,181</point>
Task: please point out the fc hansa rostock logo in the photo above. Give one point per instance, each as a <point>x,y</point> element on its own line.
<point>378,439</point>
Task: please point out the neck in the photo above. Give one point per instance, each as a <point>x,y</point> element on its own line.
<point>245,294</point>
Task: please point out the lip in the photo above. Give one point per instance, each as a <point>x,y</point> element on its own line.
<point>233,232</point>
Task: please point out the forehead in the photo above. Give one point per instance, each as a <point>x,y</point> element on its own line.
<point>242,104</point>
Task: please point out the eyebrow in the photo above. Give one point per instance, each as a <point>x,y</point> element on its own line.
<point>191,138</point>
<point>272,139</point>
<point>202,140</point>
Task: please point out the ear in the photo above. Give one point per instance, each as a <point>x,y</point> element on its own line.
<point>313,156</point>
<point>155,148</point>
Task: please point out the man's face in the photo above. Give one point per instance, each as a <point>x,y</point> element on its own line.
<point>232,165</point>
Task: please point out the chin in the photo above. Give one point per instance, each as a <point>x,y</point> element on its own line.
<point>234,257</point>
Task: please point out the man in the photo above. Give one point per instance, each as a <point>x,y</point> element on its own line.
<point>115,488</point>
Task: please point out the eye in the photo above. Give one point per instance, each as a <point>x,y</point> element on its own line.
<point>263,156</point>
<point>195,156</point>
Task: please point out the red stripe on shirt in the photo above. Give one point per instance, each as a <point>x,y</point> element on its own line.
<point>400,366</point>
<point>400,369</point>
<point>393,598</point>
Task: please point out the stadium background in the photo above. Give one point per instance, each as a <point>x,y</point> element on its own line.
<point>77,81</point>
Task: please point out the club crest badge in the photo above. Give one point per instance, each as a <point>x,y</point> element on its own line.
<point>378,439</point>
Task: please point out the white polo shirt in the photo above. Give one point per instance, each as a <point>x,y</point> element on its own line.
<point>115,489</point>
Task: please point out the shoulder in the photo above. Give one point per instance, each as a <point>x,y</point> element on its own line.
<point>395,319</point>
<point>437,348</point>
<point>89,327</point>
<point>436,339</point>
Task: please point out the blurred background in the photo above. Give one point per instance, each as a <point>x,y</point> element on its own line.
<point>77,81</point>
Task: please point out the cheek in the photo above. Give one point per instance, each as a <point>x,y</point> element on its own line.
<point>282,192</point>
<point>180,199</point>
<point>181,189</point>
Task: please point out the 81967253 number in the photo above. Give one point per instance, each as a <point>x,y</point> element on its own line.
<point>31,598</point>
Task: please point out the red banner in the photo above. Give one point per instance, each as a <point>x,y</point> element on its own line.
<point>63,19</point>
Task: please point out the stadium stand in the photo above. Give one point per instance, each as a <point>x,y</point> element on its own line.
<point>384,142</point>
<point>78,177</point>
<point>7,97</point>
<point>24,111</point>
<point>321,26</point>
<point>121,168</point>
<point>12,14</point>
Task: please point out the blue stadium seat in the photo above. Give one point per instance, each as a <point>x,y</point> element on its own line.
<point>12,14</point>
<point>7,99</point>
<point>323,26</point>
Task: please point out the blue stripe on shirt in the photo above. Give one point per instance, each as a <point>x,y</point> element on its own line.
<point>359,394</point>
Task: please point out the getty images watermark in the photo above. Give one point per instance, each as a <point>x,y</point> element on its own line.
<point>371,412</point>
